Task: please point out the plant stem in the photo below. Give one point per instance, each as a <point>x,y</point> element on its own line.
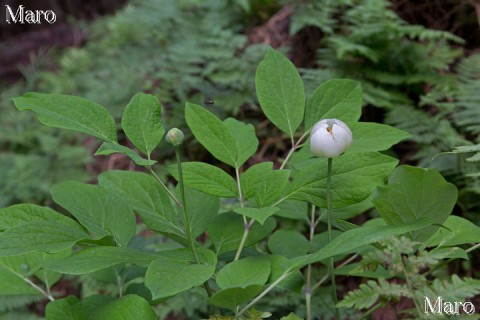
<point>170,193</point>
<point>240,194</point>
<point>329,224</point>
<point>247,225</point>
<point>184,205</point>
<point>410,288</point>
<point>308,288</point>
<point>295,146</point>
<point>371,310</point>
<point>325,277</point>
<point>185,216</point>
<point>244,239</point>
<point>264,293</point>
<point>39,289</point>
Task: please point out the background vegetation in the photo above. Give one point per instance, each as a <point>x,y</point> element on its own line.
<point>417,63</point>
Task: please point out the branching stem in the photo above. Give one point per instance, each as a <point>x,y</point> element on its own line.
<point>170,193</point>
<point>294,148</point>
<point>264,293</point>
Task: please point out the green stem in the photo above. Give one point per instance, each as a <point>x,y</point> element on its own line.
<point>329,218</point>
<point>170,193</point>
<point>308,285</point>
<point>371,310</point>
<point>325,278</point>
<point>36,287</point>
<point>410,288</point>
<point>240,194</point>
<point>295,146</point>
<point>247,225</point>
<point>244,239</point>
<point>264,293</point>
<point>185,215</point>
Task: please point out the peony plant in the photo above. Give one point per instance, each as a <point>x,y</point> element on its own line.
<point>102,232</point>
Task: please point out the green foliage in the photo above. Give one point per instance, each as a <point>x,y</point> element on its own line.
<point>280,92</point>
<point>60,111</point>
<point>226,230</point>
<point>176,271</point>
<point>369,293</point>
<point>142,123</point>
<point>34,158</point>
<point>404,259</point>
<point>128,307</point>
<point>98,211</point>
<point>103,234</point>
<point>360,174</point>
<point>340,99</point>
<point>212,59</point>
<point>213,134</point>
<point>416,193</point>
<point>367,41</point>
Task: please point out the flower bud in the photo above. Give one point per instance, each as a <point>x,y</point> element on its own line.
<point>174,137</point>
<point>329,138</point>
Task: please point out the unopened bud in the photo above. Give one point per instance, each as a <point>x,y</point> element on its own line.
<point>330,138</point>
<point>174,137</point>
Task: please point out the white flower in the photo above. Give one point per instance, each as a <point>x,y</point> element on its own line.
<point>329,138</point>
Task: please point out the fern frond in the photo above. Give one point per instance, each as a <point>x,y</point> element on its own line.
<point>454,289</point>
<point>369,293</point>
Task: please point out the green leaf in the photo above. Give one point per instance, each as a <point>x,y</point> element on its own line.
<point>416,193</point>
<point>270,189</point>
<point>280,92</point>
<point>175,271</point>
<point>245,138</point>
<point>206,178</point>
<point>352,240</point>
<point>293,282</point>
<point>354,177</point>
<point>44,236</point>
<point>70,112</point>
<point>129,307</point>
<point>288,243</point>
<point>231,298</point>
<point>62,309</point>
<point>457,231</point>
<point>263,183</point>
<point>96,209</point>
<point>338,98</point>
<point>15,271</point>
<point>226,231</point>
<point>370,136</point>
<point>13,282</point>
<point>293,209</point>
<point>142,124</point>
<point>146,197</point>
<point>93,259</point>
<point>29,213</point>
<point>29,228</point>
<point>253,176</point>
<point>71,308</point>
<point>291,316</point>
<point>212,134</point>
<point>259,214</point>
<point>32,259</point>
<point>201,209</point>
<point>107,148</point>
<point>244,272</point>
